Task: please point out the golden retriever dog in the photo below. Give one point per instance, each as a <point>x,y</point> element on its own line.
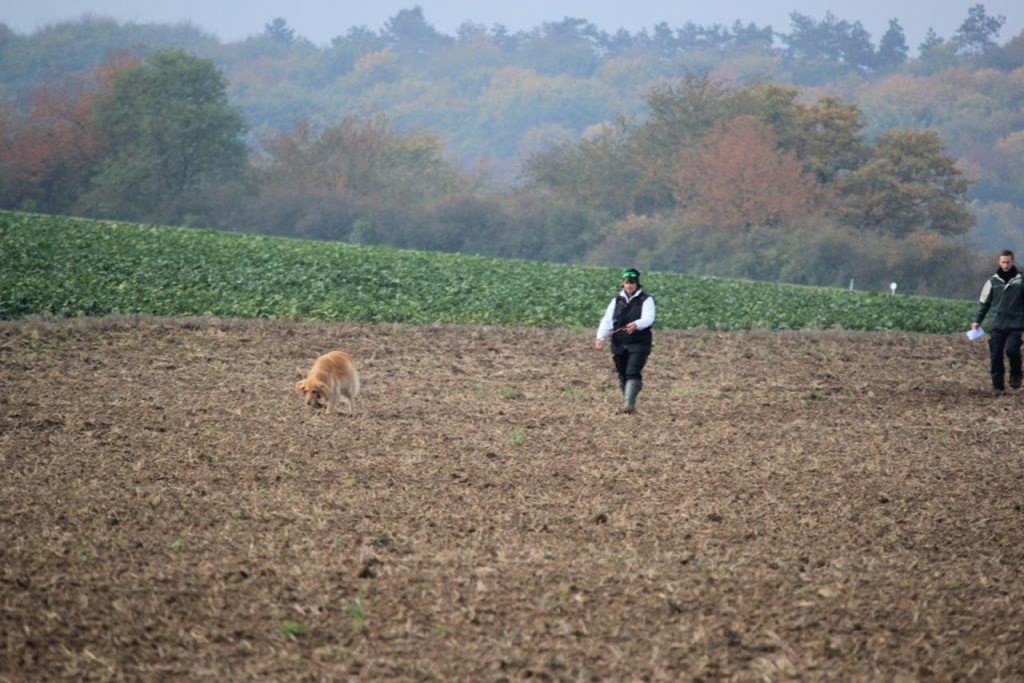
<point>332,380</point>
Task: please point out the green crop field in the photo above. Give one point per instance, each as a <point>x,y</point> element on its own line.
<point>52,265</point>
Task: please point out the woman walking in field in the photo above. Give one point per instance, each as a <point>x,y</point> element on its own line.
<point>627,321</point>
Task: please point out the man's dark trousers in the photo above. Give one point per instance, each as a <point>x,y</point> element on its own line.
<point>1006,342</point>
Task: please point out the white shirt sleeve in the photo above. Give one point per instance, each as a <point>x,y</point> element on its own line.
<point>604,329</point>
<point>646,314</point>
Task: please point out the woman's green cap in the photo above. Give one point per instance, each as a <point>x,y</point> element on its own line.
<point>631,274</point>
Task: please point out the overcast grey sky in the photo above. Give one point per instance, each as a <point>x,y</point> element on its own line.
<point>321,20</point>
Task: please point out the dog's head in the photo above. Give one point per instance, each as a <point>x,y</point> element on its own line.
<point>314,392</point>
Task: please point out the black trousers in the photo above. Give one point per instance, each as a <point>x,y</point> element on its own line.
<point>1000,343</point>
<point>630,365</point>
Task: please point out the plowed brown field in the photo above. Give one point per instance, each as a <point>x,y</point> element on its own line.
<point>813,505</point>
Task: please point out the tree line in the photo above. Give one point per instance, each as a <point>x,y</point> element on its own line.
<point>748,182</point>
<point>752,182</point>
<point>584,129</point>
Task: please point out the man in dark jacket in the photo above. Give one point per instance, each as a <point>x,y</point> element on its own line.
<point>1002,298</point>
<point>627,322</point>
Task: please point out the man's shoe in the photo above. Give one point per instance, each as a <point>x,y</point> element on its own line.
<point>1015,382</point>
<point>998,392</point>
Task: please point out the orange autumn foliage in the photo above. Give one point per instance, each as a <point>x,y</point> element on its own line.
<point>736,177</point>
<point>49,153</point>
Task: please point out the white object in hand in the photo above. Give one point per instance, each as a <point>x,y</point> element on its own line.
<point>975,335</point>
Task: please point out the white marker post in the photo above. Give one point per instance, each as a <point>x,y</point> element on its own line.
<point>892,289</point>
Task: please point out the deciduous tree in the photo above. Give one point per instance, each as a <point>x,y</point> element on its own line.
<point>679,117</point>
<point>51,153</point>
<point>829,141</point>
<point>173,140</point>
<point>318,183</point>
<point>599,172</point>
<point>908,184</point>
<point>738,178</point>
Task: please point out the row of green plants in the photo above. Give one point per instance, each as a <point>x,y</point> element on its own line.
<point>62,266</point>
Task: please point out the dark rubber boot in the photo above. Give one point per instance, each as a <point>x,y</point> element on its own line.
<point>632,389</point>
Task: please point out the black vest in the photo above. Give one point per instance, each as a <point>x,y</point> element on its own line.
<point>626,313</point>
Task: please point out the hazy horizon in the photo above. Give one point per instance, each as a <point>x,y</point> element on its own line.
<point>321,20</point>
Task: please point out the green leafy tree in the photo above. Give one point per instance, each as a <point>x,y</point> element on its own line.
<point>565,47</point>
<point>320,183</point>
<point>468,223</point>
<point>279,31</point>
<point>679,117</point>
<point>67,49</point>
<point>855,46</point>
<point>517,100</point>
<point>818,51</point>
<point>635,239</point>
<point>931,41</point>
<point>751,37</point>
<point>908,184</point>
<point>977,34</point>
<point>548,228</point>
<point>11,185</point>
<point>663,42</point>
<point>1008,57</point>
<point>830,140</point>
<point>892,48</point>
<point>410,35</point>
<point>936,54</point>
<point>598,172</point>
<point>174,142</point>
<point>828,40</point>
<point>806,40</point>
<point>345,51</point>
